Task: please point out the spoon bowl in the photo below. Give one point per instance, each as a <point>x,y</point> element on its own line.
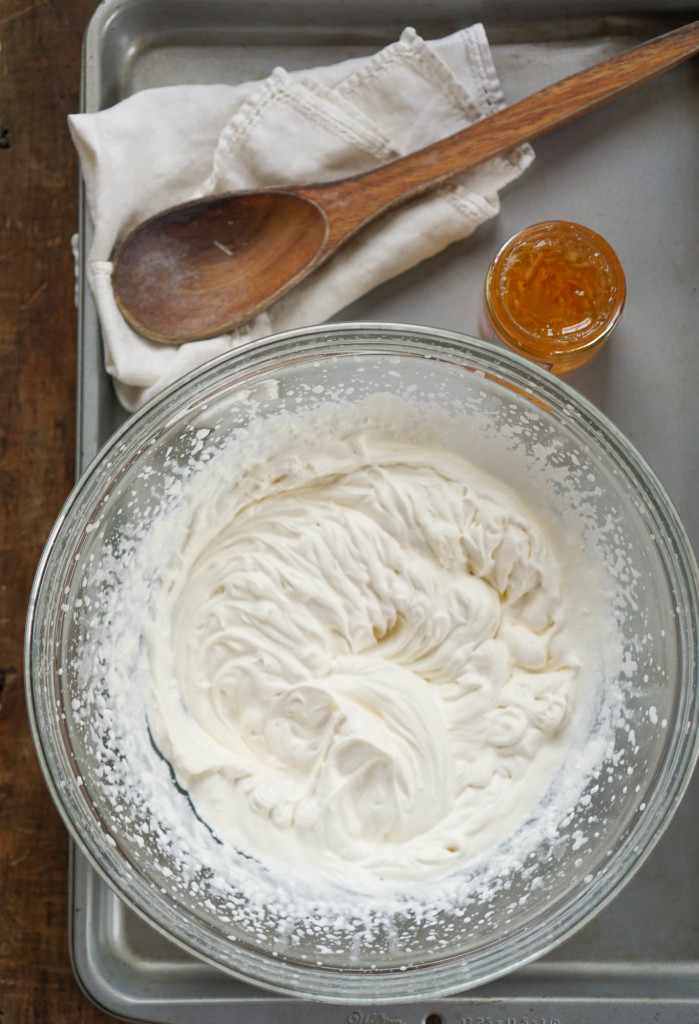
<point>200,269</point>
<point>222,249</point>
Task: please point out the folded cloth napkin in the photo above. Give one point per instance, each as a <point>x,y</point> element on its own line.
<point>167,145</point>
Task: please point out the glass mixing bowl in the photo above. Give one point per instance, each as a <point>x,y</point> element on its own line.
<point>86,675</point>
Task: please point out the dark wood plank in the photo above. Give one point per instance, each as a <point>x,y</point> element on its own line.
<point>39,86</point>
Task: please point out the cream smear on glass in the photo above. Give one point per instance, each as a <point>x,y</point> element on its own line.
<point>365,660</point>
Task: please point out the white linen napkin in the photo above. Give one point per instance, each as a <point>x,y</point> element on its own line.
<point>167,145</point>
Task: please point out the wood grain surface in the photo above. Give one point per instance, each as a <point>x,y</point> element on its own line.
<point>40,45</point>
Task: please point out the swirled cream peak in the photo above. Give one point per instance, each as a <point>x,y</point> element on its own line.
<point>359,663</point>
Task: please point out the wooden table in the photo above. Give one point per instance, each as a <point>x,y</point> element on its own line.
<point>40,44</point>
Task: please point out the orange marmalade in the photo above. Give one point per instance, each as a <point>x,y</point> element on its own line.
<point>553,293</point>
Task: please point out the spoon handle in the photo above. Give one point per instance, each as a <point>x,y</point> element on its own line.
<point>499,133</point>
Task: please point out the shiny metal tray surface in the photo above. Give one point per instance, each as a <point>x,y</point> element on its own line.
<point>628,171</point>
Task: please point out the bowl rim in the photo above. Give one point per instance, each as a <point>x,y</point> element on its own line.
<point>447,975</point>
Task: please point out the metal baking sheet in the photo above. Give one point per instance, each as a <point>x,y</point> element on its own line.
<point>629,171</point>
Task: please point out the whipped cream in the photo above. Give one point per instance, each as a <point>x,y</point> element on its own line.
<point>364,661</point>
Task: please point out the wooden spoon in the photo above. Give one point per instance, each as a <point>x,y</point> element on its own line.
<point>202,268</point>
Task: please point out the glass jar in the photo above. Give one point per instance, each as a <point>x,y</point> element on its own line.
<point>554,293</point>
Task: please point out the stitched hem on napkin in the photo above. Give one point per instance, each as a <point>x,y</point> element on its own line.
<point>292,128</point>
